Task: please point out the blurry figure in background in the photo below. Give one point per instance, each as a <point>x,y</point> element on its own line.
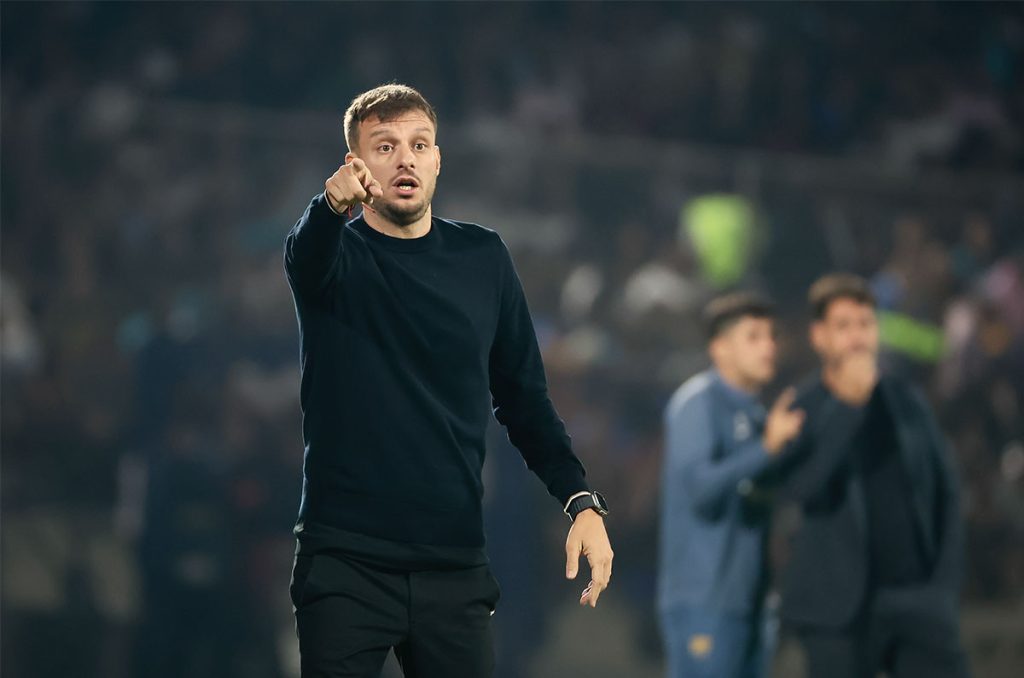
<point>185,550</point>
<point>70,591</point>
<point>873,580</point>
<point>713,527</point>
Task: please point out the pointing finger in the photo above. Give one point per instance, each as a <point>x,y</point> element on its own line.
<point>361,172</point>
<point>785,400</point>
<point>358,166</point>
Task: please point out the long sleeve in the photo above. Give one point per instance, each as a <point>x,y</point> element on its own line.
<point>692,464</point>
<point>807,465</point>
<point>520,394</point>
<point>312,251</point>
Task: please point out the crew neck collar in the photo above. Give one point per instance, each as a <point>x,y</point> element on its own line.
<point>422,243</point>
<point>734,393</point>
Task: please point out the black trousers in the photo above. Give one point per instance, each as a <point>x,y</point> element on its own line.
<point>349,615</point>
<point>902,633</point>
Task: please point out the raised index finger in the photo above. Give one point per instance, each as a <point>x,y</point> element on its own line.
<point>361,171</point>
<point>786,399</point>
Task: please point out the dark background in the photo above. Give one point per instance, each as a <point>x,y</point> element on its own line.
<point>638,158</point>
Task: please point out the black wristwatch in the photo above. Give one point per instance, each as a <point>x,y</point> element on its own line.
<point>593,500</point>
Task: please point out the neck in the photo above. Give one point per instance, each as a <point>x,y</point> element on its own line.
<point>830,375</point>
<point>416,229</point>
<point>737,381</point>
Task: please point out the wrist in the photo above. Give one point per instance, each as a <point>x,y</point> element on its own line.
<point>330,206</point>
<point>568,502</point>
<point>586,500</point>
<point>588,513</point>
<point>771,446</point>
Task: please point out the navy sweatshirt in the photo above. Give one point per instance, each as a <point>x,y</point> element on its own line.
<point>405,347</point>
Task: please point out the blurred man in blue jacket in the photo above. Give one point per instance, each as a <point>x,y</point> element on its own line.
<point>713,527</point>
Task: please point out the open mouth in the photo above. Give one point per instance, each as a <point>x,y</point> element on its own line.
<point>406,185</point>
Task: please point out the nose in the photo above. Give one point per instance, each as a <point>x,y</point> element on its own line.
<point>407,159</point>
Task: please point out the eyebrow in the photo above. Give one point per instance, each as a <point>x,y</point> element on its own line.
<point>380,132</point>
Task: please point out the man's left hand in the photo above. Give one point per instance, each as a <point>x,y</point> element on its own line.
<point>588,537</point>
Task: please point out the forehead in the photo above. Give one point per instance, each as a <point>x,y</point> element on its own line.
<point>410,122</point>
<point>845,307</point>
<point>750,323</point>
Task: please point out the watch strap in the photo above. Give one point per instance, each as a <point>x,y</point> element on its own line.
<point>582,503</point>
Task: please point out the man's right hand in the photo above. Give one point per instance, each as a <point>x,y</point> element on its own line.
<point>854,378</point>
<point>782,423</point>
<point>350,185</point>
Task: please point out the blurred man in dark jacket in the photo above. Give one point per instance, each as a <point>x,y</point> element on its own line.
<point>873,581</point>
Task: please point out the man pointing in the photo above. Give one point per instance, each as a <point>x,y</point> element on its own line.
<point>413,330</point>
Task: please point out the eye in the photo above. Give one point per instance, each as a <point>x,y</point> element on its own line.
<point>420,146</point>
<point>385,148</point>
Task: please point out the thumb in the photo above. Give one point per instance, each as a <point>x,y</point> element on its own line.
<point>572,558</point>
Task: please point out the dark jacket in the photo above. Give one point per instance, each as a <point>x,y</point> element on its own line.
<point>827,578</point>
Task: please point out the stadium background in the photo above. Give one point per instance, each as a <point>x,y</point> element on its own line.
<point>636,157</point>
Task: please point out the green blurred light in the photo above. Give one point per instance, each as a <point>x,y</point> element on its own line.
<point>720,228</point>
<point>919,340</point>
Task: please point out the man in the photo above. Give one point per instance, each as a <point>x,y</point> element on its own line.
<point>873,579</point>
<point>713,530</point>
<point>408,324</point>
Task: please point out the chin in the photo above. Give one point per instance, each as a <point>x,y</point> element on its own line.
<point>403,214</point>
<point>754,379</point>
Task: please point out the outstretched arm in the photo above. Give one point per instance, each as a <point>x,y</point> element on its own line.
<point>313,246</point>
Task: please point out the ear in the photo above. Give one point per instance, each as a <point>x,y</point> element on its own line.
<point>437,159</point>
<point>715,349</point>
<point>816,333</point>
<point>349,156</point>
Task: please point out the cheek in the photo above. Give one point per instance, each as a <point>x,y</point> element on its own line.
<point>765,349</point>
<point>755,356</point>
<point>376,167</point>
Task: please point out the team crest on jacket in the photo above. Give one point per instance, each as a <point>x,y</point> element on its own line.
<point>700,645</point>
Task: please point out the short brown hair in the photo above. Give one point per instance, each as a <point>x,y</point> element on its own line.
<point>723,312</point>
<point>833,286</point>
<point>387,102</point>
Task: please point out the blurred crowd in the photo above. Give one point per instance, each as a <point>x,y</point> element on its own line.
<point>150,425</point>
<point>913,83</point>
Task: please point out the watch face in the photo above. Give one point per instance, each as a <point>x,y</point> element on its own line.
<point>601,503</point>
